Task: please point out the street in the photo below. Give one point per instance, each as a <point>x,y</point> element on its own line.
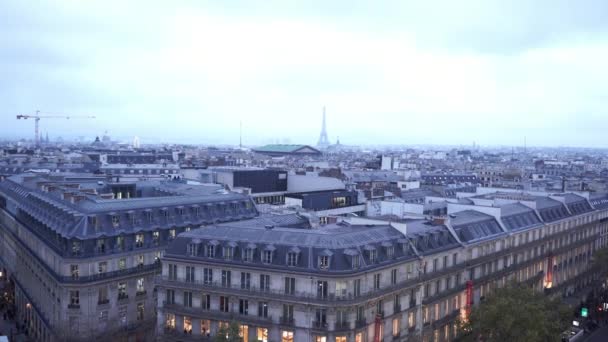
<point>600,335</point>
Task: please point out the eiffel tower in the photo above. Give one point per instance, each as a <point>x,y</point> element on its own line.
<point>323,140</point>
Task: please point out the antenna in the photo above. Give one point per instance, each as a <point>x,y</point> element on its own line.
<point>241,135</point>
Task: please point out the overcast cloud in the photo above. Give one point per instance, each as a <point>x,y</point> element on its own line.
<point>389,72</point>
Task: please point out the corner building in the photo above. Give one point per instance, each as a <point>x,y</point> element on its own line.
<point>83,250</point>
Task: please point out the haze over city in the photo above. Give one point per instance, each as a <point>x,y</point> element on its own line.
<point>439,72</point>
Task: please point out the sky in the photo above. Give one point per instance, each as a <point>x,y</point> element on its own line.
<point>388,72</point>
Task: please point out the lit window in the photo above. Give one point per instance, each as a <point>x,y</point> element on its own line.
<point>139,240</point>
<point>267,257</point>
<point>324,262</point>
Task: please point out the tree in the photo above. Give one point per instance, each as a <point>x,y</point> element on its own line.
<point>228,333</point>
<point>516,313</point>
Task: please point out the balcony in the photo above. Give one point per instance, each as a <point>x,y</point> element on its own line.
<point>287,321</point>
<point>360,323</point>
<point>103,302</point>
<point>123,297</point>
<point>140,293</point>
<point>74,306</point>
<point>319,325</point>
<point>342,325</point>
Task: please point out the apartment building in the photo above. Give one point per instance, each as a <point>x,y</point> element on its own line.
<point>351,282</point>
<point>83,250</point>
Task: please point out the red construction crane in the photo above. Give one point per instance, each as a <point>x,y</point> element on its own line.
<point>37,118</point>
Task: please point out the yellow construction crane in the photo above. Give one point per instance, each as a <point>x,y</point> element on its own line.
<point>37,118</point>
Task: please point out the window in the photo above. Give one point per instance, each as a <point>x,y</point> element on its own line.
<point>115,220</point>
<point>171,234</point>
<point>324,262</point>
<point>139,240</point>
<point>74,298</point>
<point>187,325</point>
<point>287,336</point>
<point>248,255</point>
<point>357,287</point>
<point>321,317</point>
<point>264,282</point>
<point>397,303</point>
<point>226,278</point>
<point>245,281</point>
<point>140,260</point>
<point>192,250</point>
<point>373,255</point>
<point>290,285</point>
<point>210,251</point>
<point>101,245</point>
<point>267,257</point>
<point>288,313</point>
<point>396,327</point>
<point>394,276</point>
<point>170,321</point>
<point>380,306</point>
<point>102,267</point>
<point>190,274</point>
<point>263,309</point>
<point>156,238</point>
<point>292,259</point>
<point>208,276</point>
<point>140,286</point>
<point>435,265</point>
<point>74,271</point>
<point>262,335</point>
<point>140,311</point>
<point>102,296</point>
<point>170,297</point>
<point>356,261</point>
<point>340,288</point>
<point>377,281</point>
<point>360,316</point>
<point>322,288</point>
<point>445,261</point>
<point>157,256</point>
<point>172,272</point>
<point>228,252</point>
<point>120,243</point>
<point>243,306</point>
<point>188,299</point>
<point>390,252</point>
<point>411,319</point>
<point>122,290</point>
<point>206,302</point>
<point>224,304</point>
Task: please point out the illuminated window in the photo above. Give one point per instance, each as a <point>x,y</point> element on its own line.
<point>187,324</point>
<point>139,240</point>
<point>340,338</point>
<point>287,336</point>
<point>359,337</point>
<point>170,321</point>
<point>395,326</point>
<point>262,335</point>
<point>244,332</point>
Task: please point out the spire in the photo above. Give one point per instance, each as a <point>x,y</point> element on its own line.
<point>323,140</point>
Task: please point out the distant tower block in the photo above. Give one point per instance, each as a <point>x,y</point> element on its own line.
<point>323,140</point>
<point>136,143</point>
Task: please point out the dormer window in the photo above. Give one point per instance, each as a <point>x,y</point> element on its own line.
<point>248,254</point>
<point>292,259</point>
<point>390,252</point>
<point>324,262</point>
<point>373,255</point>
<point>197,211</point>
<point>228,252</point>
<point>192,249</point>
<point>132,217</point>
<point>101,245</point>
<point>356,261</point>
<point>210,251</point>
<point>171,234</point>
<point>165,213</point>
<point>76,247</point>
<point>180,211</point>
<point>324,259</point>
<point>267,256</point>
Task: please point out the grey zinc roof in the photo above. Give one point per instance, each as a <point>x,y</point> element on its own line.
<point>516,216</point>
<point>472,225</point>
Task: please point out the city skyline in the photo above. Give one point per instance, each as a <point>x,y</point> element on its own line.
<point>472,71</point>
